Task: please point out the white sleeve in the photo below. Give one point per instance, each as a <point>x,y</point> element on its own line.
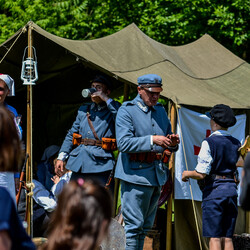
<point>62,156</point>
<point>204,159</point>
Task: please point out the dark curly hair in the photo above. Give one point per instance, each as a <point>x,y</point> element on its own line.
<point>77,222</point>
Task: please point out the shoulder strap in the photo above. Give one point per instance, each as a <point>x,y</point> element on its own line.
<point>91,124</point>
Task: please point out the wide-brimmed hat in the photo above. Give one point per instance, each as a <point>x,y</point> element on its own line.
<point>222,115</point>
<point>9,82</point>
<point>151,82</point>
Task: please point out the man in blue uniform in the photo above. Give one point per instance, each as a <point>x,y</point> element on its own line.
<point>217,166</point>
<point>143,132</point>
<point>94,121</point>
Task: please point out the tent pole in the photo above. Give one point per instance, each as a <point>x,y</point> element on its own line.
<point>29,172</point>
<point>126,92</point>
<point>171,198</point>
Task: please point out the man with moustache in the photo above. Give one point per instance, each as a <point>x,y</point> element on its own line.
<point>143,133</point>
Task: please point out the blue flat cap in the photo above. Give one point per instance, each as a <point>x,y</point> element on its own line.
<point>151,82</point>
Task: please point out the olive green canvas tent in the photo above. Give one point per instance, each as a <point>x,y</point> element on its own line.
<point>199,75</point>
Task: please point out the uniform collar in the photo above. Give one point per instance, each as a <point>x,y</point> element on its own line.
<point>221,132</point>
<point>141,105</point>
<point>99,106</point>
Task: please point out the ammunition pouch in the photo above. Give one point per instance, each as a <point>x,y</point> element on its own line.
<point>76,140</point>
<point>108,144</point>
<point>150,157</point>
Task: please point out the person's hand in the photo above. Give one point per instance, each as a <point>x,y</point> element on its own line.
<point>55,179</point>
<point>174,139</point>
<point>59,168</point>
<point>162,141</point>
<point>99,95</point>
<point>185,176</point>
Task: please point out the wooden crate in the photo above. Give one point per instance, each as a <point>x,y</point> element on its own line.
<point>152,240</point>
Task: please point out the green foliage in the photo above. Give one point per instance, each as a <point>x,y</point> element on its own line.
<point>172,22</point>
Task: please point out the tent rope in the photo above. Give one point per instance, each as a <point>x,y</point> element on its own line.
<point>190,187</point>
<point>22,31</point>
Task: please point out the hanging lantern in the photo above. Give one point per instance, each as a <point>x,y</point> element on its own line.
<point>29,73</point>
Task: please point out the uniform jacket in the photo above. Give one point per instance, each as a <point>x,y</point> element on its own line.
<point>135,123</point>
<point>91,159</point>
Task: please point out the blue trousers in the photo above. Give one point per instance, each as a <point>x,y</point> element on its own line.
<point>139,205</point>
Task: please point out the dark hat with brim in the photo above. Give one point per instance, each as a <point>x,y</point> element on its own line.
<point>151,82</point>
<point>222,115</point>
<point>103,80</point>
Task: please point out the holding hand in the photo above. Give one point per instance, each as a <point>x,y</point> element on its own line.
<point>166,141</point>
<point>174,139</point>
<point>185,176</point>
<point>59,167</point>
<point>55,179</point>
<point>162,141</point>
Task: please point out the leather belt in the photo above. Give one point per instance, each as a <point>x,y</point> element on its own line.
<point>224,177</point>
<point>91,142</point>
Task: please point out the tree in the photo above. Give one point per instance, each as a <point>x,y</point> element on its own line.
<point>172,22</point>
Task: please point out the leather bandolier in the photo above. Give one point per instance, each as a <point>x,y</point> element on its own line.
<point>150,157</point>
<point>106,143</point>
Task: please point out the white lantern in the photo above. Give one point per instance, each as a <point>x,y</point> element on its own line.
<point>29,73</point>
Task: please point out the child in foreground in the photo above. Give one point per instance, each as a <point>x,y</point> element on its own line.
<point>82,217</point>
<point>217,167</point>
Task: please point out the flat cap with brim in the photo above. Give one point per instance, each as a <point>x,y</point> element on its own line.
<point>222,115</point>
<point>151,82</point>
<point>103,80</point>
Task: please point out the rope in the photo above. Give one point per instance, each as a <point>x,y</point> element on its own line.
<point>190,187</point>
<point>23,30</point>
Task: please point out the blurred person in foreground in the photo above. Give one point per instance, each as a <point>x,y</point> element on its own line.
<point>82,217</point>
<point>12,233</point>
<point>7,88</point>
<point>245,184</point>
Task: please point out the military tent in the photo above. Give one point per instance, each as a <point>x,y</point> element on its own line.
<point>198,75</point>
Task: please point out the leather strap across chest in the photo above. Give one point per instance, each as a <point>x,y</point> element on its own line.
<point>91,124</point>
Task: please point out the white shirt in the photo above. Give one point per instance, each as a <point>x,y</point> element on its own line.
<point>205,159</point>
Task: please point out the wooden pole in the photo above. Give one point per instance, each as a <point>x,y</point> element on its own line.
<point>171,198</point>
<point>247,222</point>
<point>126,92</point>
<point>29,143</point>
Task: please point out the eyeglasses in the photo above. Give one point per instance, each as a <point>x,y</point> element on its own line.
<point>2,89</point>
<point>151,93</point>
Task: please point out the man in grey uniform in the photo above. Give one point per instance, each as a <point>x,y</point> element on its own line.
<point>143,132</point>
<point>94,121</point>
